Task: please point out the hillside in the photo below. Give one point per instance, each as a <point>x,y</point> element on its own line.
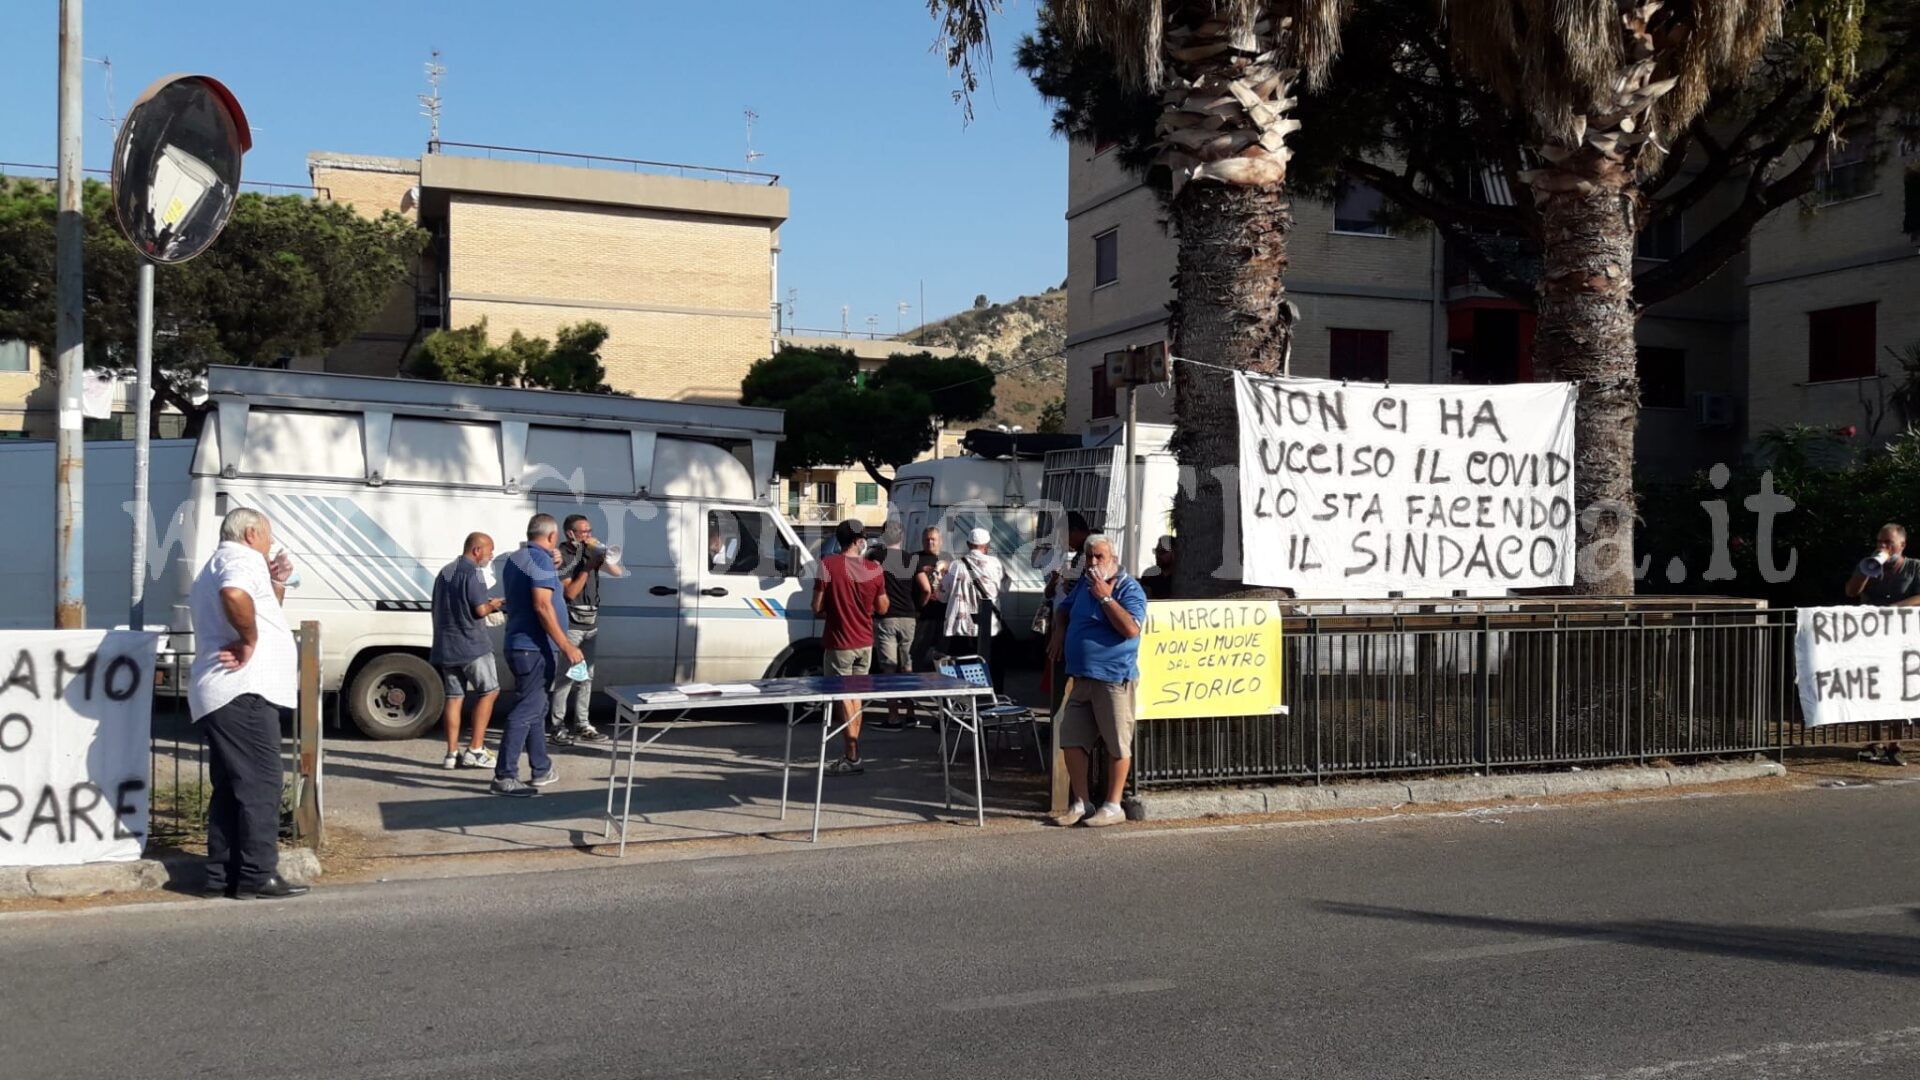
<point>1022,339</point>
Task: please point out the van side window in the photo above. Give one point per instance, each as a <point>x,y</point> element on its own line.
<point>746,542</point>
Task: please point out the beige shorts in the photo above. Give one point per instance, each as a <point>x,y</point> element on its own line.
<point>849,661</point>
<point>1099,712</point>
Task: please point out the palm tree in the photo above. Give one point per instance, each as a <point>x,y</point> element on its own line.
<point>1606,84</point>
<point>1226,70</point>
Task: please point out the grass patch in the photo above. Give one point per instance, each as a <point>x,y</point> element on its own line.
<point>179,814</point>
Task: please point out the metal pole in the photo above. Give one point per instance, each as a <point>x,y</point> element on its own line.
<point>142,438</point>
<point>1132,538</point>
<point>70,610</point>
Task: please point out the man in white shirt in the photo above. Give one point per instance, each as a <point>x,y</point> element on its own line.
<point>243,681</point>
<point>971,587</point>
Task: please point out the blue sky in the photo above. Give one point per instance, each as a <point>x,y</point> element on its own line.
<point>889,186</point>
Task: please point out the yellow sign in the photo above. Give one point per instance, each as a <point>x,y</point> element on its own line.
<point>1210,658</point>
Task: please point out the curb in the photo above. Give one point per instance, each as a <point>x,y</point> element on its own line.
<point>298,865</point>
<point>1289,798</point>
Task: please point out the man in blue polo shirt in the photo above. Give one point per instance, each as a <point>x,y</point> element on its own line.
<point>536,632</point>
<point>1097,625</point>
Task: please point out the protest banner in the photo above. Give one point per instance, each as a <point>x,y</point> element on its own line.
<point>1210,658</point>
<point>1857,664</point>
<point>1360,490</point>
<point>76,711</point>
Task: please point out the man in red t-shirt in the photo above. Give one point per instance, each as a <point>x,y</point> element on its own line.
<point>849,594</point>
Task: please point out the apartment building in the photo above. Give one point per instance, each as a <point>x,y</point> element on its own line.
<point>679,262</point>
<point>1834,292</point>
<point>1378,303</point>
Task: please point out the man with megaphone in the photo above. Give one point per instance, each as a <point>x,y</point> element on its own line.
<point>1888,578</point>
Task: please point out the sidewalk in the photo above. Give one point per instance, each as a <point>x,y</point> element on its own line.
<point>709,778</point>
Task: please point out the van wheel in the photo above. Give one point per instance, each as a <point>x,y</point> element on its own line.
<point>804,663</point>
<point>395,696</point>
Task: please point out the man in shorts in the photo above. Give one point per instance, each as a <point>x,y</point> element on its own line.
<point>1096,626</point>
<point>848,596</point>
<point>461,652</point>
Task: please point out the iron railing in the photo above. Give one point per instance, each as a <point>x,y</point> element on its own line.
<point>1478,687</point>
<point>180,784</point>
<point>602,161</point>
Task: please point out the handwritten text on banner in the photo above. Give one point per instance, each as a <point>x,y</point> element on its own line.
<point>1361,490</point>
<point>1210,658</point>
<point>76,708</point>
<point>1858,663</point>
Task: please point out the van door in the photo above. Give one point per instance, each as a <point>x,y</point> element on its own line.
<point>749,602</point>
<point>639,613</point>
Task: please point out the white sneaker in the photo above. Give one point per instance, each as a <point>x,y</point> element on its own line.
<point>1106,815</point>
<point>1072,817</point>
<point>451,761</point>
<point>476,759</point>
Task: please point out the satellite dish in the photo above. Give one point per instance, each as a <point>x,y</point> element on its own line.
<point>176,166</point>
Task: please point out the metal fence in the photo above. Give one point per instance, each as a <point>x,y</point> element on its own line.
<point>181,785</point>
<point>1484,687</point>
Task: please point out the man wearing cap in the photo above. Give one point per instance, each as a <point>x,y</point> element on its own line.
<point>1097,627</point>
<point>971,589</point>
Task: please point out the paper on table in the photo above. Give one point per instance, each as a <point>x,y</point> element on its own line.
<point>719,688</point>
<point>658,696</point>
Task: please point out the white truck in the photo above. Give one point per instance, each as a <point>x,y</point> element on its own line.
<point>1092,481</point>
<point>960,494</point>
<point>372,484</point>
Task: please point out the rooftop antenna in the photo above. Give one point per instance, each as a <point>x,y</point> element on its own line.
<point>900,316</point>
<point>112,119</point>
<point>430,101</point>
<point>843,321</point>
<point>752,154</point>
<point>872,321</point>
<point>793,305</point>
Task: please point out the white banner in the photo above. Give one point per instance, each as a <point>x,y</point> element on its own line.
<point>1858,663</point>
<point>76,711</point>
<point>1364,490</point>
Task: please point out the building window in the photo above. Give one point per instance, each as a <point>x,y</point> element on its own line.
<point>1103,405</point>
<point>1848,171</point>
<point>1840,343</point>
<point>1663,377</point>
<point>1660,238</point>
<point>1358,208</point>
<point>13,356</point>
<point>1360,355</point>
<point>1106,258</point>
<point>866,494</point>
<point>824,492</point>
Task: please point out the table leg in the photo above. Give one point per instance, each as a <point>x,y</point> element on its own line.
<point>820,777</point>
<point>979,788</point>
<point>620,716</point>
<point>945,706</point>
<point>786,766</point>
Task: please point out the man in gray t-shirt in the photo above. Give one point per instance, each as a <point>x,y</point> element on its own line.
<point>461,652</point>
<point>582,559</point>
<point>1889,579</point>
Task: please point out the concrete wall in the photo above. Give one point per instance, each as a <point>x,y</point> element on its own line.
<point>1822,256</point>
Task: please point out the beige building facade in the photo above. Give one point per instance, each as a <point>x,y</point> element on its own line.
<point>681,270</point>
<point>1719,365</point>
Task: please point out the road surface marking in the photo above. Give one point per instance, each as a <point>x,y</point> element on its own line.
<point>1867,912</point>
<point>1064,993</point>
<point>1787,1061</point>
<point>1517,948</point>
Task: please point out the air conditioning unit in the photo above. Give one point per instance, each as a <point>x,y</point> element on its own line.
<point>1713,410</point>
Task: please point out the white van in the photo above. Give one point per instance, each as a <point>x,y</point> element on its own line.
<point>961,494</point>
<point>372,485</point>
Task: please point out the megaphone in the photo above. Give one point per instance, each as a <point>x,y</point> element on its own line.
<point>1872,566</point>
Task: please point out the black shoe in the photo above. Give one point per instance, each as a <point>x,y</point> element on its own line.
<point>274,888</point>
<point>1892,757</point>
<point>891,725</point>
<point>215,892</point>
<point>559,737</point>
<point>588,734</point>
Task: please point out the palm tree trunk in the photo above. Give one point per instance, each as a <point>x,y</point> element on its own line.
<point>1231,313</point>
<point>1585,336</point>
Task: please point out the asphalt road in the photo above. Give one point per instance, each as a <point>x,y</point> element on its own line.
<point>1722,938</point>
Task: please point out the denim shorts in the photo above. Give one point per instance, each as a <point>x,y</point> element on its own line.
<point>478,676</point>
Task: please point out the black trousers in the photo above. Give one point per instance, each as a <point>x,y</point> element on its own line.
<point>243,816</point>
